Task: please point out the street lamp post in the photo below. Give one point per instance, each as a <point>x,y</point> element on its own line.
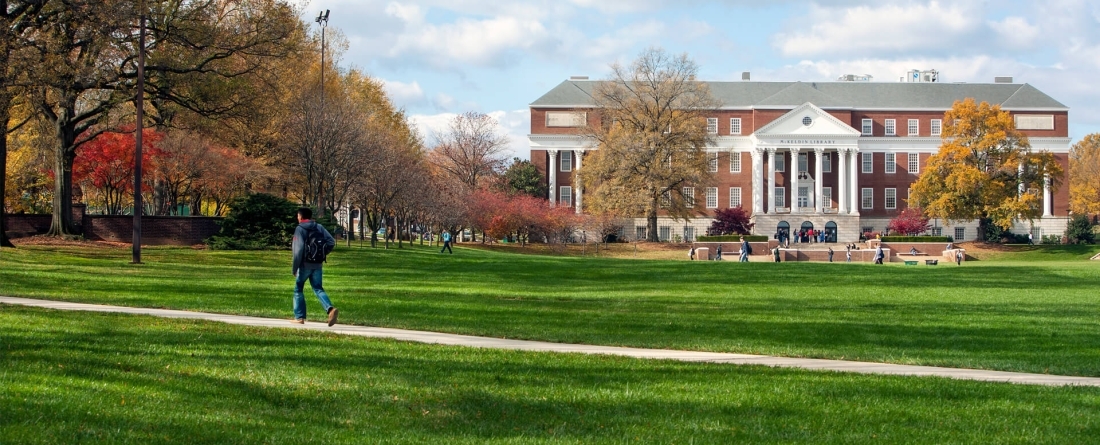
<point>139,105</point>
<point>322,19</point>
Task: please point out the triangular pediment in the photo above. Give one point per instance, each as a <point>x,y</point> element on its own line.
<point>807,120</point>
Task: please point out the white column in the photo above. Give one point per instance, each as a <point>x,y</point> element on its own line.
<point>853,194</point>
<point>771,180</point>
<point>1021,188</point>
<point>841,181</point>
<point>819,180</point>
<point>757,181</point>
<point>1048,205</point>
<point>552,173</point>
<point>578,154</point>
<point>792,172</point>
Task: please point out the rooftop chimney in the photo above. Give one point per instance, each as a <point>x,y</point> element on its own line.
<point>744,75</point>
<point>1002,79</point>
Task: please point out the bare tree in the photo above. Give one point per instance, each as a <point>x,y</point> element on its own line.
<point>471,149</point>
<point>651,138</point>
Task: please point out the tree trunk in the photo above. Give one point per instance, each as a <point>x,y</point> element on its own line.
<point>65,130</point>
<point>651,226</point>
<point>5,116</point>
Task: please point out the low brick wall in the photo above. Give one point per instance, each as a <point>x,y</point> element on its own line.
<point>730,249</point>
<point>155,230</point>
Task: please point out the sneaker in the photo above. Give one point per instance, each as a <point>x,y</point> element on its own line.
<point>332,313</point>
<point>298,321</point>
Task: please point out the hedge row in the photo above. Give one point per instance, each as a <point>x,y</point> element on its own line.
<point>729,238</point>
<point>917,239</point>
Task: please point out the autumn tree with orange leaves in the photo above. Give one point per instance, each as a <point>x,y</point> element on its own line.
<point>985,170</point>
<point>1084,176</point>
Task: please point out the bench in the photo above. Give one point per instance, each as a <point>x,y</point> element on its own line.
<point>931,262</point>
<point>910,263</point>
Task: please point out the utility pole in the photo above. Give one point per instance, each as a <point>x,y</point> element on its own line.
<point>322,19</point>
<point>139,104</point>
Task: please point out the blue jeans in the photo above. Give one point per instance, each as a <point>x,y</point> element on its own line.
<point>314,276</point>
<point>744,257</point>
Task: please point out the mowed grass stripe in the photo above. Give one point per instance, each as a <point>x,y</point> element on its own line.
<point>70,377</point>
<point>1027,316</point>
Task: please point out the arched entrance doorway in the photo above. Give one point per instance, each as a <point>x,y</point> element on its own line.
<point>782,231</point>
<point>804,231</point>
<point>830,232</point>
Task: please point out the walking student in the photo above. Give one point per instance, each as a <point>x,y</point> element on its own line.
<point>312,243</point>
<point>446,242</point>
<point>745,250</point>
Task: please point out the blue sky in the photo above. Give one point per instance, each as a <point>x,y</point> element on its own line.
<point>440,58</point>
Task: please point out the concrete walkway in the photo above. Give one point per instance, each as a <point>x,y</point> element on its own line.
<point>523,345</point>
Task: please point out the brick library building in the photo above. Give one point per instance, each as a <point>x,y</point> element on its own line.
<point>838,157</point>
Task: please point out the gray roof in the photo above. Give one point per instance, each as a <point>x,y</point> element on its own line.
<point>854,95</point>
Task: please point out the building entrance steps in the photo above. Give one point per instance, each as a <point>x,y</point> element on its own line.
<point>539,346</point>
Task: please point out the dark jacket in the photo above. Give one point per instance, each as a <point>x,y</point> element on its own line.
<point>297,247</point>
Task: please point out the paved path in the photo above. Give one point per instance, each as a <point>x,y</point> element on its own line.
<point>523,345</point>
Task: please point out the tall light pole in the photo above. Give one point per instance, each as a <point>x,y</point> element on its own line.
<point>322,19</point>
<point>139,104</point>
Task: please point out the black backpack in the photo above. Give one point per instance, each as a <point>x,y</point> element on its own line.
<point>316,249</point>
<point>750,248</point>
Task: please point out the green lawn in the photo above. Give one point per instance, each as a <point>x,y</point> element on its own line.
<point>74,377</point>
<point>1035,312</point>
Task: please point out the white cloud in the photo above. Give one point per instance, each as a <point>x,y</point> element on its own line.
<point>489,42</point>
<point>404,94</point>
<point>1016,32</point>
<point>876,30</point>
<point>516,125</point>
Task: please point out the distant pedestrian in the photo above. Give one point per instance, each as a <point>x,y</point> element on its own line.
<point>691,253</point>
<point>446,242</point>
<point>1030,241</point>
<point>848,252</point>
<point>879,255</point>
<point>745,250</point>
<point>830,254</point>
<point>959,257</point>
<point>311,244</point>
<point>775,253</point>
<point>718,253</point>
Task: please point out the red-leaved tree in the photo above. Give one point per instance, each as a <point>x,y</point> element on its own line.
<point>730,221</point>
<point>104,168</point>
<point>910,221</point>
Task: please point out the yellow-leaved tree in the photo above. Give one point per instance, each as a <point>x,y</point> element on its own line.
<point>651,140</point>
<point>1084,175</point>
<point>985,170</point>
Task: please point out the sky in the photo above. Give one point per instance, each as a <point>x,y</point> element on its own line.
<point>441,58</point>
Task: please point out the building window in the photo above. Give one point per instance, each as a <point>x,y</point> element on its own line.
<point>937,127</point>
<point>826,163</point>
<point>735,162</point>
<point>663,233</point>
<point>937,231</point>
<point>735,197</point>
<point>712,197</point>
<point>891,199</point>
<point>868,166</point>
<point>689,196</point>
<point>639,232</point>
<point>780,197</point>
<point>565,195</point>
<point>803,197</point>
<point>891,129</point>
<point>666,200</point>
<point>914,163</point>
<point>566,161</point>
<point>867,127</point>
<point>780,162</point>
<point>891,163</point>
<point>827,197</point>
<point>914,127</point>
<point>689,234</point>
<point>712,125</point>
<point>735,126</point>
<point>868,198</point>
<point>960,234</point>
<point>712,162</point>
<point>803,162</point>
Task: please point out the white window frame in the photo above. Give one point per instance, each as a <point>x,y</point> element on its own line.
<point>827,197</point>
<point>936,127</point>
<point>735,162</point>
<point>566,161</point>
<point>666,200</point>
<point>689,196</point>
<point>804,196</point>
<point>868,127</point>
<point>689,234</point>
<point>891,127</point>
<point>960,234</point>
<point>914,163</point>
<point>780,198</point>
<point>803,162</point>
<point>735,126</point>
<point>826,162</point>
<point>780,162</point>
<point>712,125</point>
<point>712,162</point>
<point>914,127</point>
<point>735,197</point>
<point>565,195</point>
<point>867,198</point>
<point>867,159</point>
<point>891,163</point>
<point>712,197</point>
<point>664,233</point>
<point>891,196</point>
